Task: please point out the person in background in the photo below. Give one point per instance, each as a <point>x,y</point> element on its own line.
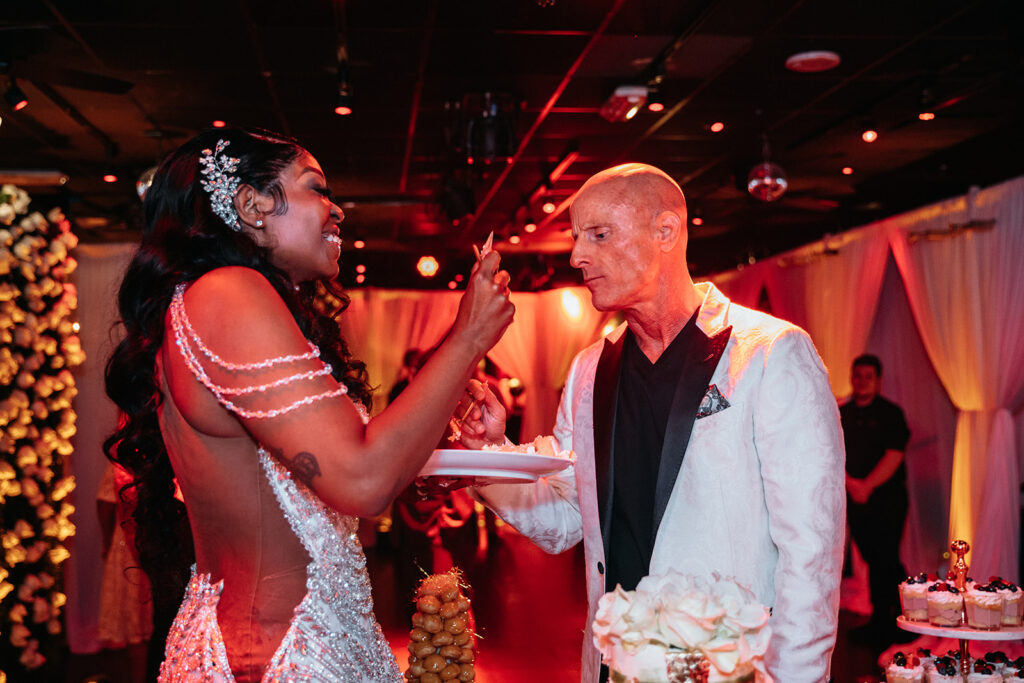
<point>126,605</point>
<point>706,435</point>
<point>235,385</point>
<point>876,436</point>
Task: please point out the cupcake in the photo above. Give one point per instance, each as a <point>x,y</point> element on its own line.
<point>1013,601</point>
<point>997,660</point>
<point>927,660</point>
<point>945,604</point>
<point>914,597</point>
<point>1013,675</point>
<point>983,672</point>
<point>946,670</point>
<point>904,668</point>
<point>984,606</point>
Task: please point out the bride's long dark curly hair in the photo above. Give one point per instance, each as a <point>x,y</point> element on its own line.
<point>183,239</point>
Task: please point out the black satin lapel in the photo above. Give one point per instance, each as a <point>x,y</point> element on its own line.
<point>606,391</point>
<point>692,386</point>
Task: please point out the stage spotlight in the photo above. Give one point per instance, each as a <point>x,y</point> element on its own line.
<point>530,226</point>
<point>869,135</point>
<point>624,103</point>
<point>514,238</point>
<point>110,178</point>
<point>548,207</point>
<point>717,127</point>
<point>218,123</point>
<point>926,116</point>
<point>360,268</point>
<point>847,170</point>
<point>14,97</point>
<point>359,244</point>
<point>343,106</point>
<point>360,279</point>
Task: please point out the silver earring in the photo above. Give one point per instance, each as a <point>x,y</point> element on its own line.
<point>259,222</point>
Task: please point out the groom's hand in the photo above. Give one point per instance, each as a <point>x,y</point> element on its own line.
<point>485,423</point>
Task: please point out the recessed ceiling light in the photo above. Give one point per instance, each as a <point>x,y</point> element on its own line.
<point>847,170</point>
<point>218,123</point>
<point>514,239</point>
<point>926,116</point>
<point>717,127</point>
<point>360,279</point>
<point>697,220</point>
<point>548,207</point>
<point>359,244</point>
<point>360,268</point>
<point>427,266</point>
<point>869,135</point>
<point>812,61</point>
<point>110,178</point>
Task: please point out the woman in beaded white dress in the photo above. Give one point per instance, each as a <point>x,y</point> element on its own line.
<point>236,388</point>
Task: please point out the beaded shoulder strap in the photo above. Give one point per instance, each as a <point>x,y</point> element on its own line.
<point>185,337</point>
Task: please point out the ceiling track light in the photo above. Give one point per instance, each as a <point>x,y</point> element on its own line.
<point>654,101</point>
<point>343,103</point>
<point>624,103</point>
<point>14,97</point>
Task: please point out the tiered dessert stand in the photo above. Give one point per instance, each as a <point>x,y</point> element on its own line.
<point>964,633</point>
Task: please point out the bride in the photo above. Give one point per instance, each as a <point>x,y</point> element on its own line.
<point>238,390</point>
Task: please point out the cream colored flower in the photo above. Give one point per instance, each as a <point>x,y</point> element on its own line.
<point>58,554</point>
<point>17,613</point>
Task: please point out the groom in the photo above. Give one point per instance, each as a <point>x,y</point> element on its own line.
<point>706,436</point>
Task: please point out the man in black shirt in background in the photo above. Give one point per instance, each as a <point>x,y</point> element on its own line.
<point>876,436</point>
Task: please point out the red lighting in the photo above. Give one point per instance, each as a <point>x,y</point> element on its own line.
<point>20,104</point>
<point>427,266</point>
<point>697,220</point>
<point>110,178</point>
<point>218,124</point>
<point>926,116</point>
<point>530,227</point>
<point>360,268</point>
<point>514,239</point>
<point>359,244</point>
<point>548,207</point>
<point>717,127</point>
<point>458,277</point>
<point>469,160</point>
<point>847,170</point>
<point>451,284</point>
<point>360,278</point>
<point>655,106</point>
<point>870,135</point>
<point>342,110</point>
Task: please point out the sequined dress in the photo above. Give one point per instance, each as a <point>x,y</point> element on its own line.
<point>333,636</point>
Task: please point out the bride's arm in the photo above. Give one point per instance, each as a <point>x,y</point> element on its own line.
<point>301,418</point>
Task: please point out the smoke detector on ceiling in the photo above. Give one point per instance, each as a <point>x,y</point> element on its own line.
<point>813,61</point>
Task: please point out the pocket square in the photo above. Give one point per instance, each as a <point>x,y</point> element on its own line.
<point>713,402</point>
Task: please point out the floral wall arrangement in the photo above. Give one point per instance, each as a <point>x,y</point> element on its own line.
<point>38,348</point>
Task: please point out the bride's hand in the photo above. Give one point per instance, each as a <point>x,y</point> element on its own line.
<point>485,310</point>
<point>485,423</point>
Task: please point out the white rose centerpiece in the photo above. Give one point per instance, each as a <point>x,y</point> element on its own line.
<point>640,632</point>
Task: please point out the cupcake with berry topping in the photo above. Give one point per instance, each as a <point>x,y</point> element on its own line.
<point>984,606</point>
<point>1013,675</point>
<point>983,672</point>
<point>927,659</point>
<point>998,660</point>
<point>1013,601</point>
<point>947,670</point>
<point>904,668</point>
<point>914,597</point>
<point>945,604</point>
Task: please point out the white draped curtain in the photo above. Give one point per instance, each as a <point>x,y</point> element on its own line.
<point>831,290</point>
<point>968,303</point>
<point>98,276</point>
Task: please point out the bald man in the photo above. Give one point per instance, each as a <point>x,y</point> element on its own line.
<point>706,435</point>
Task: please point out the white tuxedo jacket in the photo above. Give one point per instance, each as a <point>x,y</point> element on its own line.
<point>759,494</point>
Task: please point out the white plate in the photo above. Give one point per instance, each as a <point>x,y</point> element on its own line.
<point>491,466</point>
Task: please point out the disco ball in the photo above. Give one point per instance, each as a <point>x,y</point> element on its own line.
<point>767,181</point>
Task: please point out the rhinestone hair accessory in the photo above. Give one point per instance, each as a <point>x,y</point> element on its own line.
<point>221,183</point>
